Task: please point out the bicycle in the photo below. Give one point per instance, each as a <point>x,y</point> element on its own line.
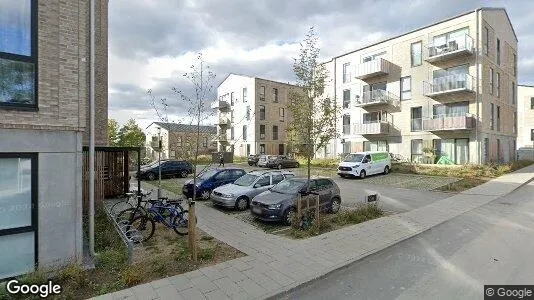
<point>171,214</point>
<point>124,214</point>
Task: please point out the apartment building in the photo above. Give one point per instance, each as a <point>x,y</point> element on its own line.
<point>525,113</point>
<point>252,115</point>
<point>448,88</point>
<point>177,140</point>
<point>44,93</point>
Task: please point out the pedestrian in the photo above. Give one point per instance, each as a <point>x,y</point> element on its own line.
<point>221,160</point>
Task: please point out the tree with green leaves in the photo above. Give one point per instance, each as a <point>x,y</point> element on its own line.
<point>131,135</point>
<point>313,115</point>
<point>113,132</point>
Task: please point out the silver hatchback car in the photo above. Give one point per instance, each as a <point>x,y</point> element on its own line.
<point>240,193</point>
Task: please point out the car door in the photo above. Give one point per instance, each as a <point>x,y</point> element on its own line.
<point>221,178</point>
<point>262,184</point>
<point>323,187</point>
<point>235,174</point>
<point>367,164</point>
<point>165,169</point>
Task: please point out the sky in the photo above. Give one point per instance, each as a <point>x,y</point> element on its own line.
<point>152,43</point>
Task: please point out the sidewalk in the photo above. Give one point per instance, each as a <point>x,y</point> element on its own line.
<point>275,264</point>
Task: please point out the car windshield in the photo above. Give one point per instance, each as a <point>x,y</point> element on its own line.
<point>246,180</point>
<point>288,186</point>
<point>207,174</point>
<point>354,158</point>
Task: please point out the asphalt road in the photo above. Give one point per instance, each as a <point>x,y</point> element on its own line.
<point>493,244</point>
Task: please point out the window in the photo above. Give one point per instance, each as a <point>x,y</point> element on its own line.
<point>346,73</point>
<point>262,112</point>
<point>515,64</point>
<point>532,134</point>
<point>416,51</point>
<point>457,150</point>
<point>262,93</point>
<point>417,118</point>
<point>406,88</point>
<point>179,141</point>
<point>531,102</point>
<point>372,117</point>
<point>262,132</point>
<point>262,148</point>
<point>281,112</point>
<point>498,52</point>
<point>263,181</point>
<point>232,117</point>
<point>346,147</point>
<point>244,95</point>
<point>281,149</point>
<point>498,83</point>
<point>18,213</point>
<point>491,81</point>
<point>346,124</point>
<point>492,121</point>
<point>436,146</point>
<point>277,178</point>
<point>486,40</point>
<point>375,146</point>
<point>232,98</point>
<point>275,95</point>
<point>486,149</point>
<point>498,118</point>
<point>513,92</point>
<point>514,128</point>
<point>232,133</point>
<point>244,132</point>
<point>18,53</point>
<point>248,113</point>
<point>417,150</point>
<point>346,98</point>
<point>275,132</point>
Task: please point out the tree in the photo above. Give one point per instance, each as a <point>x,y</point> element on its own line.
<point>113,132</point>
<point>313,115</point>
<point>131,135</point>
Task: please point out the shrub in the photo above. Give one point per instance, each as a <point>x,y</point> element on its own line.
<point>131,276</point>
<point>206,254</point>
<point>74,276</point>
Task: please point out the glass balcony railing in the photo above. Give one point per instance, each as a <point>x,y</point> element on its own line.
<point>377,97</point>
<point>448,84</point>
<point>442,48</point>
<point>454,121</point>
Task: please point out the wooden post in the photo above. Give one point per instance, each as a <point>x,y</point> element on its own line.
<point>317,211</point>
<point>299,199</point>
<point>192,231</point>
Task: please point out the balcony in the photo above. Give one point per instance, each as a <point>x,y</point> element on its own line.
<point>449,122</point>
<point>220,104</point>
<point>223,120</point>
<point>373,128</point>
<point>449,87</point>
<point>377,98</point>
<point>458,46</point>
<point>373,68</point>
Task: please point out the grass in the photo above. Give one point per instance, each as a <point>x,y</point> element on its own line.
<point>362,213</point>
<point>462,185</point>
<point>166,254</point>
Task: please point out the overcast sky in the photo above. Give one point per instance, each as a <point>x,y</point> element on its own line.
<point>153,43</point>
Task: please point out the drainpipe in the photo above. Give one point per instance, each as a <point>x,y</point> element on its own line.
<point>477,137</point>
<point>92,135</point>
<point>335,103</point>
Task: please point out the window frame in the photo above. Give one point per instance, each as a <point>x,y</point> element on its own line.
<point>420,53</point>
<point>498,84</point>
<point>486,42</point>
<point>498,52</point>
<point>492,116</point>
<point>262,93</point>
<point>275,95</point>
<point>281,113</point>
<point>244,94</point>
<point>34,227</point>
<point>491,81</point>
<point>262,111</point>
<point>531,102</point>
<point>32,58</point>
<point>275,136</point>
<point>347,99</point>
<point>402,79</point>
<point>262,134</point>
<point>346,74</point>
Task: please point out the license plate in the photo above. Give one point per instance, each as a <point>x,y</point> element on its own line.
<point>256,210</point>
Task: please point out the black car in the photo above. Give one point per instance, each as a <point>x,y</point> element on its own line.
<point>169,168</point>
<point>279,202</point>
<point>253,159</point>
<point>281,161</point>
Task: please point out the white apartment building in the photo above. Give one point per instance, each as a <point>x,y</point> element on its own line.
<point>252,115</point>
<point>447,88</point>
<point>525,113</point>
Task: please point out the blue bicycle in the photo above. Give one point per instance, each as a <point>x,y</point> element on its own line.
<point>169,213</point>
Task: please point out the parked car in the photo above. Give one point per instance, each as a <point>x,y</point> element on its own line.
<point>210,179</point>
<point>279,202</point>
<point>262,160</point>
<point>362,164</point>
<point>253,159</point>
<point>169,168</point>
<point>282,161</point>
<point>239,193</point>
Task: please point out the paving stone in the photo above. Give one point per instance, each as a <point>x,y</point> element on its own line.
<point>103,297</point>
<point>181,282</point>
<point>252,288</point>
<point>279,277</point>
<point>203,284</point>
<point>216,295</point>
<point>160,282</point>
<point>144,291</point>
<point>123,295</point>
<point>240,265</point>
<point>192,294</point>
<point>229,287</point>
<point>234,274</point>
<point>168,292</point>
<point>212,273</point>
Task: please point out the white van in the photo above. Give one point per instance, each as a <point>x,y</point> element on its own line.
<point>362,164</point>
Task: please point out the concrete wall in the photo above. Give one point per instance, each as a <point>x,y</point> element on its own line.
<point>60,190</point>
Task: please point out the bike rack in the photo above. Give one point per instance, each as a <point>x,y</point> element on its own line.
<point>129,235</point>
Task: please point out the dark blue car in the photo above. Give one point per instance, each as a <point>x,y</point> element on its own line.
<point>211,179</point>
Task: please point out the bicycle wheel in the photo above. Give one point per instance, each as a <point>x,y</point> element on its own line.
<point>181,223</point>
<point>120,206</point>
<point>126,215</point>
<point>145,226</point>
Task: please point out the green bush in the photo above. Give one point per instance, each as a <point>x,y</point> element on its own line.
<point>319,162</point>
<point>74,276</point>
<point>206,254</point>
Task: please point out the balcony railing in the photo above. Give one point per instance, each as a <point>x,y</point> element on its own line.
<point>449,84</point>
<point>375,67</point>
<point>379,127</point>
<point>449,122</point>
<point>220,104</point>
<point>377,97</point>
<point>456,46</point>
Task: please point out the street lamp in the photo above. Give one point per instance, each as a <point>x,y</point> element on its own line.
<point>159,162</point>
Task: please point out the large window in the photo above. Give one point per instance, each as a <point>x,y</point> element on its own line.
<point>491,114</point>
<point>262,148</point>
<point>375,146</point>
<point>247,113</point>
<point>498,83</point>
<point>232,98</point>
<point>262,93</point>
<point>281,112</point>
<point>486,40</point>
<point>275,132</point>
<point>515,64</point>
<point>372,117</point>
<point>18,53</point>
<point>346,73</point>
<point>262,112</point>
<point>262,132</point>
<point>457,150</point>
<point>491,81</point>
<point>513,92</point>
<point>416,51</point>
<point>244,95</point>
<point>275,95</point>
<point>18,214</point>
<point>406,88</point>
<point>417,118</point>
<point>498,52</point>
<point>531,102</point>
<point>346,124</point>
<point>498,118</point>
<point>346,98</point>
<point>244,132</point>
<point>417,150</point>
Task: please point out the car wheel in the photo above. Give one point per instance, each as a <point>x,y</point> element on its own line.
<point>279,166</point>
<point>183,174</point>
<point>241,203</point>
<point>335,205</point>
<point>297,165</point>
<point>362,174</point>
<point>342,175</point>
<point>386,170</point>
<point>250,164</point>
<point>205,195</point>
<point>289,215</point>
<point>151,176</point>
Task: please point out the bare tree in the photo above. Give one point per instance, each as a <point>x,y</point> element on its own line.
<point>313,115</point>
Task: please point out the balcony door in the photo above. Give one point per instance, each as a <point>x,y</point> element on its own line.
<point>450,78</point>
